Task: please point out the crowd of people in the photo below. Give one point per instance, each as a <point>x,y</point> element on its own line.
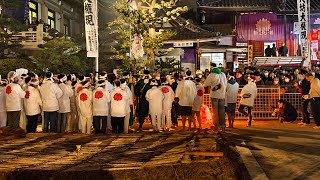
<point>88,104</point>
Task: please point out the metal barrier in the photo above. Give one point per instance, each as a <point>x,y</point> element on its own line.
<point>266,99</point>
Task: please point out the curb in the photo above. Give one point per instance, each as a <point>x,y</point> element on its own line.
<point>253,167</point>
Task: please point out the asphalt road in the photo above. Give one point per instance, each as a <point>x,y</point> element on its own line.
<point>284,151</point>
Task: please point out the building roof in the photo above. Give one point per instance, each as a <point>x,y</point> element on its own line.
<point>255,5</point>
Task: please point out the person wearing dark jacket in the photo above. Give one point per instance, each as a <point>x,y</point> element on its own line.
<point>140,91</point>
<point>305,86</point>
<point>286,111</point>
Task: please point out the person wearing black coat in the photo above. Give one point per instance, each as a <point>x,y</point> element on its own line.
<point>140,91</point>
<point>286,111</point>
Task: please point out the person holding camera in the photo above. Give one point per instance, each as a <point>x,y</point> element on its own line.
<point>285,111</point>
<point>248,95</point>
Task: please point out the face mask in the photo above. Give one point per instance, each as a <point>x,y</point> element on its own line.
<point>286,80</point>
<point>266,74</point>
<point>200,76</point>
<point>157,78</point>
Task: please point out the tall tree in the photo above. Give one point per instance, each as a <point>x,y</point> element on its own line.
<point>144,19</point>
<point>9,26</point>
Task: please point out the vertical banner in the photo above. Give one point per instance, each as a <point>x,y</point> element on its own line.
<point>250,54</point>
<point>303,17</point>
<point>91,27</point>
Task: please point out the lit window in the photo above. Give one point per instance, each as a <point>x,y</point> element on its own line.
<point>33,11</point>
<point>51,19</point>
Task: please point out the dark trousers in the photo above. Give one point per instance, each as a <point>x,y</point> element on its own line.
<point>315,106</point>
<point>247,114</point>
<point>62,122</point>
<point>50,121</point>
<point>100,123</point>
<point>143,110</point>
<point>13,119</point>
<point>32,123</point>
<point>174,114</point>
<point>305,112</point>
<point>231,110</point>
<point>117,124</point>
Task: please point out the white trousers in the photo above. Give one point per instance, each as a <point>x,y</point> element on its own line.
<point>23,120</point>
<point>3,119</point>
<point>86,124</point>
<point>166,118</point>
<point>126,123</point>
<point>156,120</point>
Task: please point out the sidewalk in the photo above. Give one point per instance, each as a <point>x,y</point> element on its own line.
<point>284,151</point>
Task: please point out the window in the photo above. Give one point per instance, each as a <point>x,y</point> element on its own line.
<point>51,19</point>
<point>217,58</point>
<point>67,27</point>
<point>33,11</point>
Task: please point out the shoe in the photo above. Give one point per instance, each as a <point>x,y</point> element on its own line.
<point>316,127</point>
<point>171,129</point>
<point>248,125</point>
<point>301,123</point>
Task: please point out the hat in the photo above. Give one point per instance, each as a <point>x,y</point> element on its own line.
<point>126,75</point>
<point>198,72</point>
<point>154,82</point>
<point>49,75</point>
<point>34,82</point>
<point>62,77</point>
<point>85,84</point>
<point>101,83</point>
<point>103,75</point>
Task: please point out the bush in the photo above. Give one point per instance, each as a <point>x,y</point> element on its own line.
<point>11,64</point>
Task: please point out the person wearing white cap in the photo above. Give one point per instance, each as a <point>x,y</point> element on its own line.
<point>50,93</point>
<point>32,105</point>
<point>197,104</point>
<point>185,93</point>
<point>14,96</point>
<point>248,95</point>
<point>125,87</point>
<point>3,113</point>
<point>64,103</point>
<point>85,107</point>
<point>109,87</point>
<point>167,103</point>
<point>77,88</point>
<point>101,101</point>
<point>119,100</point>
<point>155,98</point>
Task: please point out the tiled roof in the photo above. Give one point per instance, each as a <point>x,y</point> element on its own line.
<point>251,5</point>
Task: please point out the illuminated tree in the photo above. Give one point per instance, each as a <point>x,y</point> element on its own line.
<point>146,19</point>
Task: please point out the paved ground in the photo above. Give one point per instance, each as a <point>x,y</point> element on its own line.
<point>284,151</point>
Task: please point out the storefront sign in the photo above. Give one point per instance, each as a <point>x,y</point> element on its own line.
<point>183,44</point>
<point>91,27</point>
<point>250,54</point>
<point>303,17</point>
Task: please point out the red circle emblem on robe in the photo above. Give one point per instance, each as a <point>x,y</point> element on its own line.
<point>8,90</point>
<point>79,89</point>
<point>117,97</point>
<point>27,94</point>
<point>83,97</point>
<point>98,94</point>
<point>200,92</point>
<point>165,89</point>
